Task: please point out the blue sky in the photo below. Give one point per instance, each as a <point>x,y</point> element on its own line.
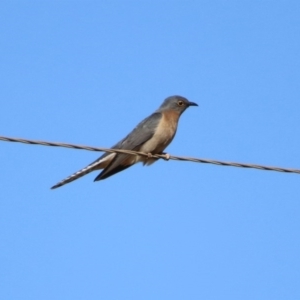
<point>87,72</point>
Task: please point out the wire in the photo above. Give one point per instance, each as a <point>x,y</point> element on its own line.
<point>158,156</point>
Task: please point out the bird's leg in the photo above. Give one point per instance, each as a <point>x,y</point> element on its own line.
<point>149,155</point>
<point>167,156</point>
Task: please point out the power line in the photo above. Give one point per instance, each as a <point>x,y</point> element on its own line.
<point>163,156</point>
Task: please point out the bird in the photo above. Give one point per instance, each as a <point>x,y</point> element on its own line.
<point>150,136</point>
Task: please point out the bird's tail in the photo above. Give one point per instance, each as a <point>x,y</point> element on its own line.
<point>78,174</point>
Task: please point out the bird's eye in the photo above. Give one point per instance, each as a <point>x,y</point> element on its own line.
<point>180,103</point>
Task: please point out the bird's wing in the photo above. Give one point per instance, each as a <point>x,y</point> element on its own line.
<point>143,132</point>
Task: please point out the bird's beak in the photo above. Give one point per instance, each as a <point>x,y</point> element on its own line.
<point>192,104</point>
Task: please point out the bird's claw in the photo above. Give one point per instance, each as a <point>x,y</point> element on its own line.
<point>166,156</point>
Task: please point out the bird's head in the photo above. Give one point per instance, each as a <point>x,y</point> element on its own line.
<point>176,103</point>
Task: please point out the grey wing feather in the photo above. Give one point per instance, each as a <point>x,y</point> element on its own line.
<point>143,132</point>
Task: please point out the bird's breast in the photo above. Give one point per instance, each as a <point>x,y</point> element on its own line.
<point>164,133</point>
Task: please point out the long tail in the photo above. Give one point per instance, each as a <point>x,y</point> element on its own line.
<point>78,174</point>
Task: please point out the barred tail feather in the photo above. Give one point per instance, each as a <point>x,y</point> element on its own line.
<point>98,164</point>
<point>76,175</point>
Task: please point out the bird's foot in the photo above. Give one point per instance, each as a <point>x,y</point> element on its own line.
<point>166,156</point>
<point>149,155</point>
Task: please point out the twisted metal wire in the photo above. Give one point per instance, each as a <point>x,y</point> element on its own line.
<point>163,156</point>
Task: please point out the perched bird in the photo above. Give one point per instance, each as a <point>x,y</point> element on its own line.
<point>151,136</point>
